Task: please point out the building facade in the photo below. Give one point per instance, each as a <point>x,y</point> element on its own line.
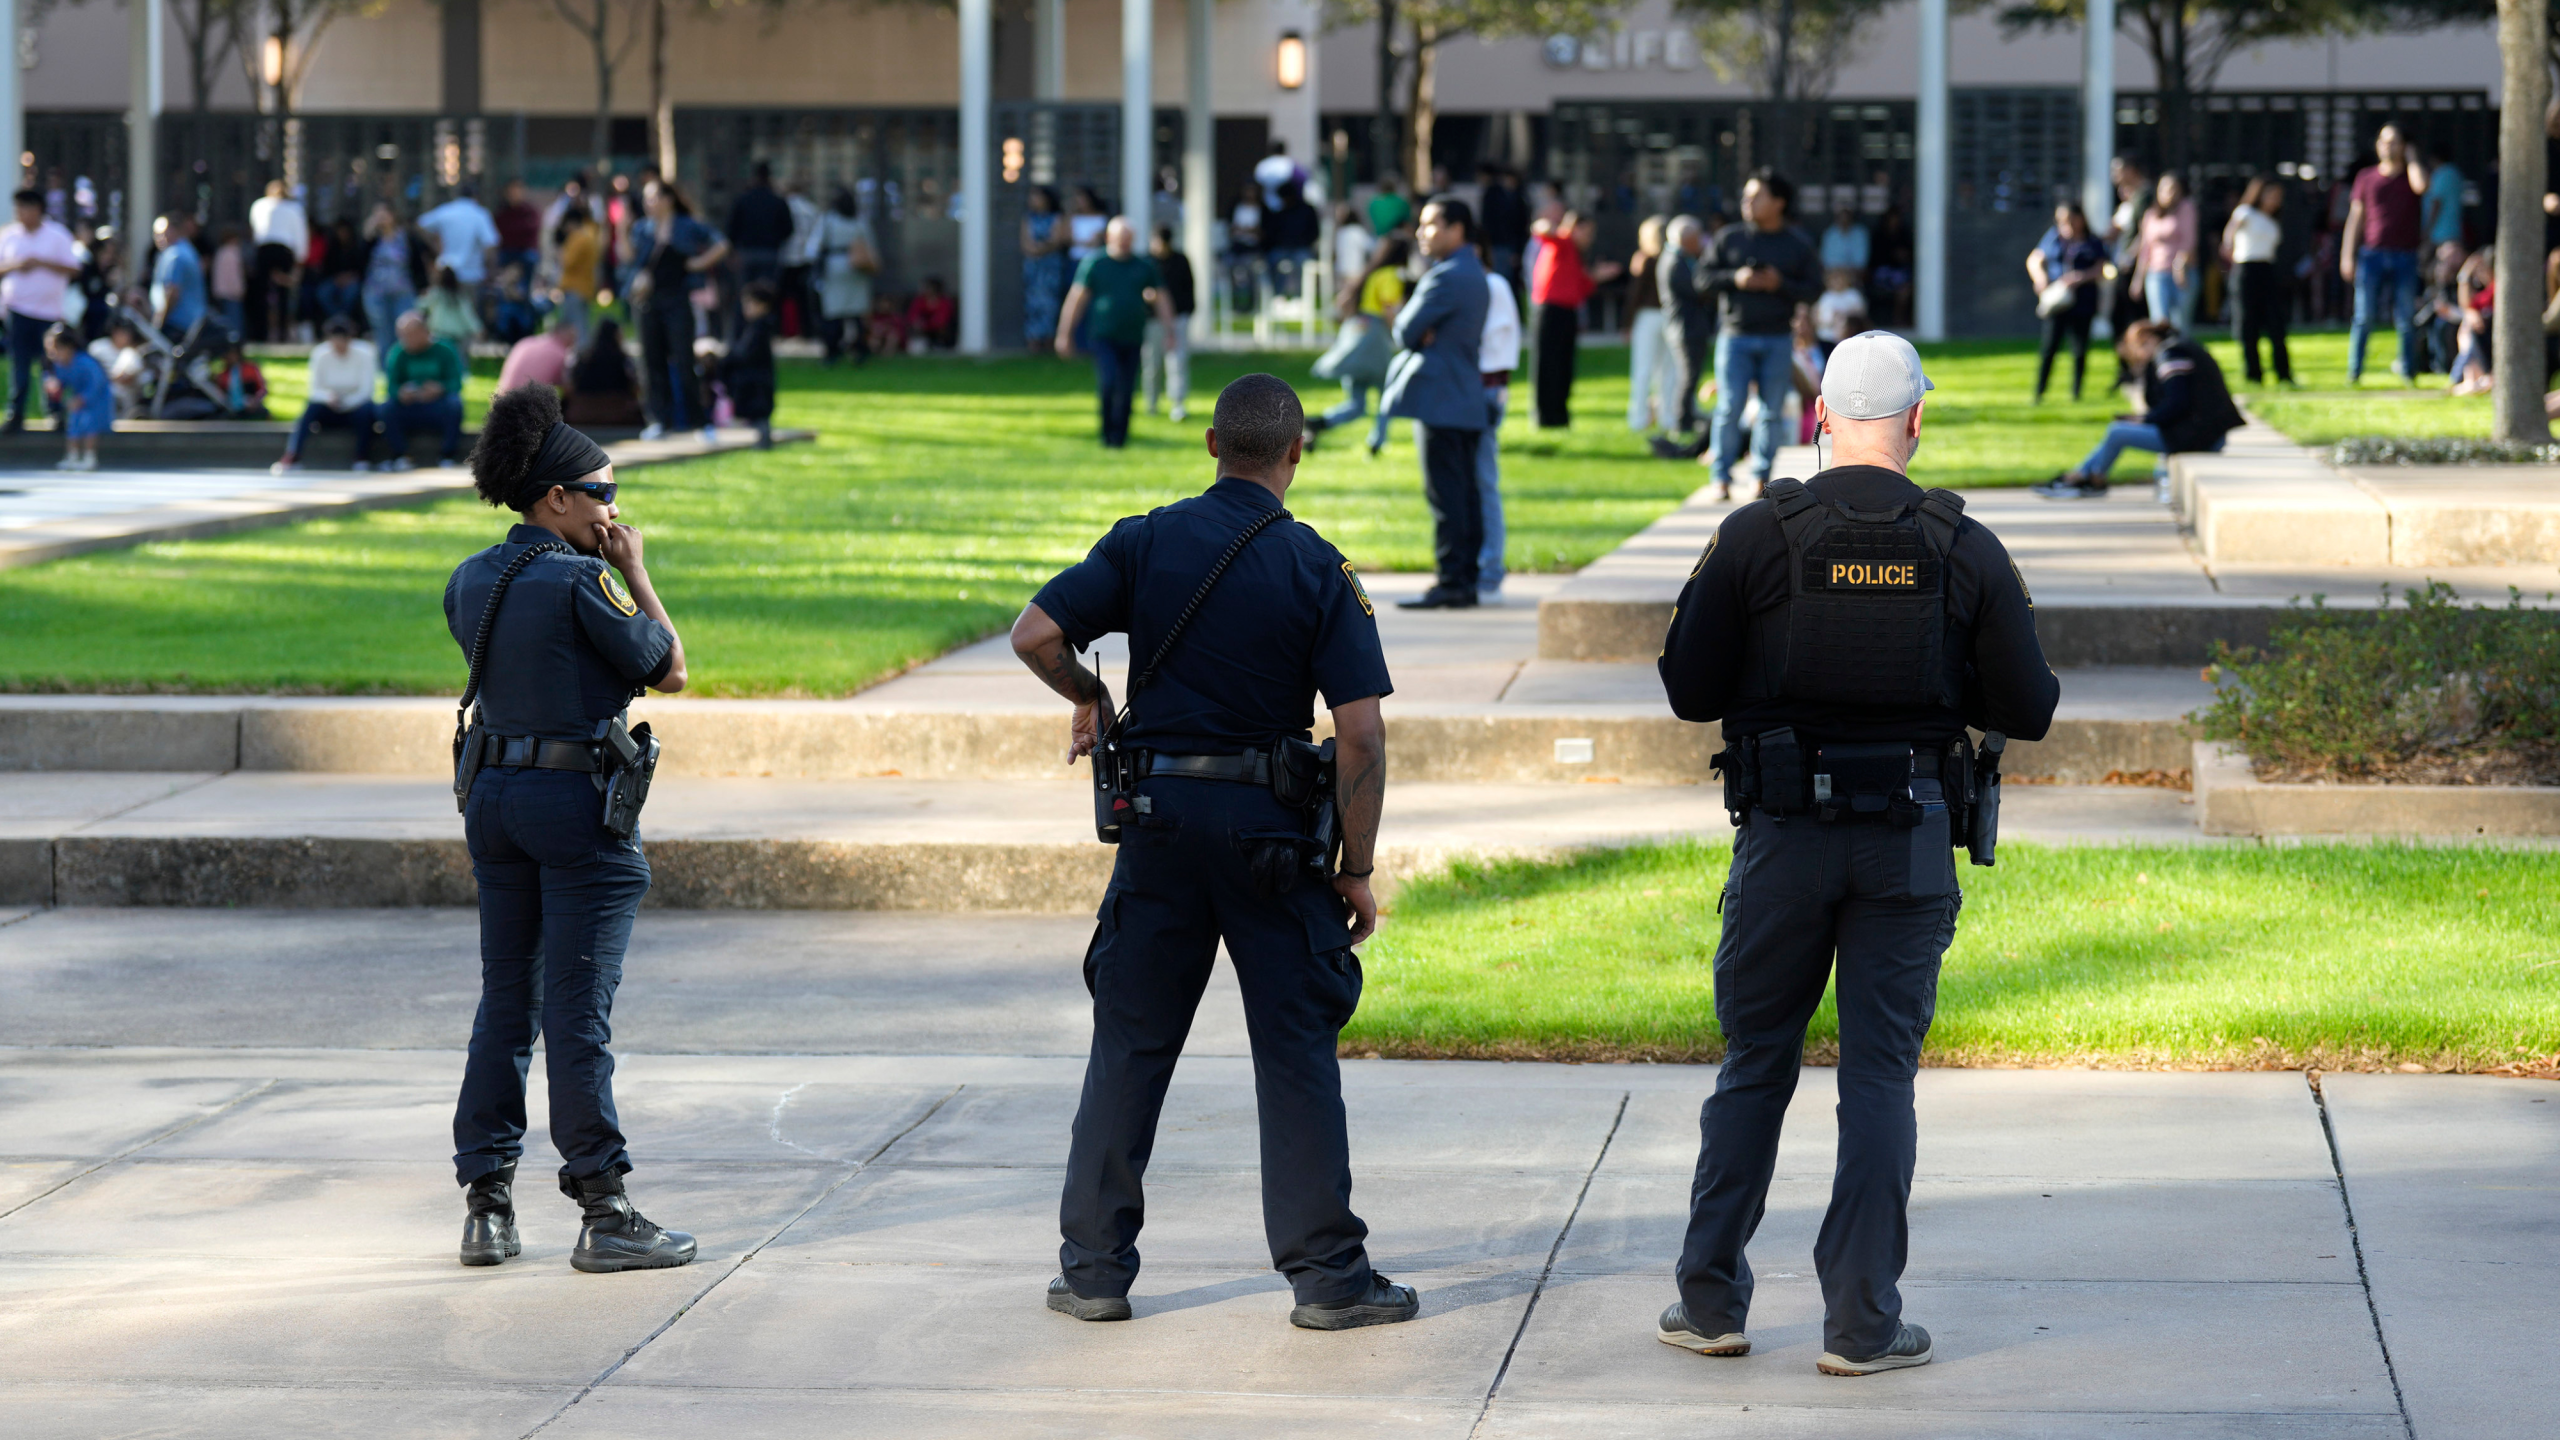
<point>425,95</point>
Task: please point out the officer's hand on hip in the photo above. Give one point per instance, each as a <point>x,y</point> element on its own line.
<point>1085,732</point>
<point>1354,889</point>
<point>619,544</point>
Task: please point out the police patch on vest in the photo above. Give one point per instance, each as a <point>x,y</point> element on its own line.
<point>1846,564</point>
<point>1358,589</point>
<point>1869,575</point>
<point>616,594</point>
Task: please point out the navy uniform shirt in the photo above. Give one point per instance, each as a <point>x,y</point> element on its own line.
<point>1718,636</point>
<point>1288,619</point>
<point>570,646</point>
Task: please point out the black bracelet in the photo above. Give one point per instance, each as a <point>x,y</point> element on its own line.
<point>1356,874</point>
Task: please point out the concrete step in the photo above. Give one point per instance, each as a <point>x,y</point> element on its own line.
<point>2116,581</point>
<point>301,840</point>
<point>1548,722</point>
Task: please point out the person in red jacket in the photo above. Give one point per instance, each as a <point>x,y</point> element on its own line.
<point>1559,284</point>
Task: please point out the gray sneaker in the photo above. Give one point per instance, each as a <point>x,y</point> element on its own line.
<point>1098,1307</point>
<point>1910,1347</point>
<point>1386,1303</point>
<point>1676,1328</point>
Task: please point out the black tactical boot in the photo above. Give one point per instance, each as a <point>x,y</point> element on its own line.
<point>616,1236</point>
<point>489,1234</point>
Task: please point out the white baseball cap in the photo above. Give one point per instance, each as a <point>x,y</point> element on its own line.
<point>1872,375</point>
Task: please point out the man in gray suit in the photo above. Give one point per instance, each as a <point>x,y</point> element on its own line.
<point>1689,321</point>
<point>1435,382</point>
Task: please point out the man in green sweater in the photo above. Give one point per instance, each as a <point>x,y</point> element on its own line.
<point>425,378</point>
<point>1118,290</point>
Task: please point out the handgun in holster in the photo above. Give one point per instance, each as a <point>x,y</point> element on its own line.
<point>1982,815</point>
<point>630,755</point>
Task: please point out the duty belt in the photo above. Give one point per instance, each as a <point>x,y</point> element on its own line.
<point>535,753</point>
<point>1251,768</point>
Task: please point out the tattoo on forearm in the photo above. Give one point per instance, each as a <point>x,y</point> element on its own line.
<point>1364,798</point>
<point>1060,671</point>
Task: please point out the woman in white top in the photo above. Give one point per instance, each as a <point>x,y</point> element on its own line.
<point>2249,243</point>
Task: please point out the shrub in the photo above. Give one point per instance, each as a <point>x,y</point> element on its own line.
<point>2439,450</point>
<point>2428,691</point>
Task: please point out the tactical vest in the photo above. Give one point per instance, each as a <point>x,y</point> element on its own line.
<point>1866,617</point>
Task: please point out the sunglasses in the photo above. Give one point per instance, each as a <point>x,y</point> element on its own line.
<point>600,491</point>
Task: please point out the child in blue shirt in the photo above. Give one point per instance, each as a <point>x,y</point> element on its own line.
<point>88,400</point>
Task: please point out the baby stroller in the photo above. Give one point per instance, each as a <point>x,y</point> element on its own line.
<point>177,376</point>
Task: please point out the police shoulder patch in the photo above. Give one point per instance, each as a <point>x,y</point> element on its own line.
<point>1696,569</point>
<point>616,593</point>
<point>1359,591</point>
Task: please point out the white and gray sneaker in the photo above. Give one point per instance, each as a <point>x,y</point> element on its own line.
<point>1676,1328</point>
<point>1910,1347</point>
<point>653,431</point>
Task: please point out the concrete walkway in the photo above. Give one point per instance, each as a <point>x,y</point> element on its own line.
<point>225,1211</point>
<point>46,514</point>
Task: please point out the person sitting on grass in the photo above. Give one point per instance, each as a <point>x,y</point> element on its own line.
<point>2189,410</point>
<point>604,386</point>
<point>424,375</point>
<point>451,315</point>
<point>341,380</point>
<point>745,366</point>
<point>543,358</point>
<point>242,385</point>
<point>933,314</point>
<point>88,400</point>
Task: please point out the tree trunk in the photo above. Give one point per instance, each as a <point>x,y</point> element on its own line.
<point>602,136</point>
<point>1422,104</point>
<point>1780,144</point>
<point>282,35</point>
<point>1384,143</point>
<point>2516,344</point>
<point>2175,90</point>
<point>662,112</point>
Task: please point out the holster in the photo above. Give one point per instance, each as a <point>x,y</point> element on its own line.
<point>1302,780</point>
<point>1766,770</point>
<point>631,762</point>
<point>1982,827</point>
<point>470,746</point>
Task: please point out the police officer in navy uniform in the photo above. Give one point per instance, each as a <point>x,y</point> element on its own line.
<point>1287,618</point>
<point>577,634</point>
<point>1845,630</point>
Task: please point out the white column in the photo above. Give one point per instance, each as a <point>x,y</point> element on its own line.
<point>1049,49</point>
<point>1137,111</point>
<point>13,94</point>
<point>977,183</point>
<point>2098,113</point>
<point>142,139</point>
<point>1929,222</point>
<point>1200,155</point>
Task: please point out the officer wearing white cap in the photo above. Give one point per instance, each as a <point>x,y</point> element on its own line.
<point>1846,631</point>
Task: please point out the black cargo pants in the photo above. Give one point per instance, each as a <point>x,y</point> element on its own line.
<point>1178,887</point>
<point>1883,900</point>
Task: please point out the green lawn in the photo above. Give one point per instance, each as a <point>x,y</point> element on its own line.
<point>2324,411</point>
<point>940,494</point>
<point>2336,956</point>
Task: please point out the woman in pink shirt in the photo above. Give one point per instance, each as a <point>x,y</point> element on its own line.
<point>2168,254</point>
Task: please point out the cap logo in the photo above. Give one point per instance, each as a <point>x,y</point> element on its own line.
<point>1857,399</point>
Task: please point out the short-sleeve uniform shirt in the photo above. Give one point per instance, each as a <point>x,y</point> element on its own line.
<point>1288,620</point>
<point>570,646</point>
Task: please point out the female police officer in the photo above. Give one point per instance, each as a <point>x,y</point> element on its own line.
<point>562,629</point>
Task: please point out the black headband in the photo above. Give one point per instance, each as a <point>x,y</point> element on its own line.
<point>566,457</point>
